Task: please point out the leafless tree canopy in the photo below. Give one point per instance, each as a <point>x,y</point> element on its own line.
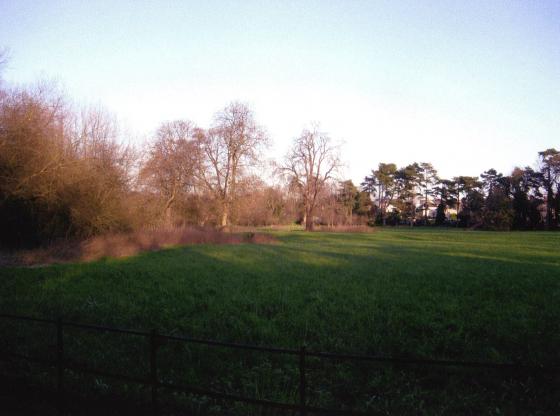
<point>311,162</point>
<point>172,162</point>
<point>230,147</point>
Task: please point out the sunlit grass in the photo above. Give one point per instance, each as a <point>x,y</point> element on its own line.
<point>335,278</point>
<point>422,293</point>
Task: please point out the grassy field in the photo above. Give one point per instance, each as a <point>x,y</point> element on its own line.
<point>413,293</point>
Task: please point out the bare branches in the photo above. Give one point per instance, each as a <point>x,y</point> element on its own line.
<point>60,174</point>
<point>4,58</point>
<point>309,165</point>
<point>231,146</point>
<point>171,163</point>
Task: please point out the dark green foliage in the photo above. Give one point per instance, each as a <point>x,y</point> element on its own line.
<point>440,214</point>
<point>381,185</point>
<point>496,202</point>
<point>394,218</point>
<point>347,196</point>
<point>473,204</point>
<point>521,211</point>
<point>550,175</point>
<point>498,212</point>
<point>427,180</point>
<point>406,180</point>
<point>362,205</point>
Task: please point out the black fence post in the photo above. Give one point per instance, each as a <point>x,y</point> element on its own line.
<point>302,382</point>
<point>153,370</point>
<point>60,366</point>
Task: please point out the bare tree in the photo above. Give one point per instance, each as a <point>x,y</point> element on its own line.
<point>4,58</point>
<point>311,162</point>
<point>3,61</point>
<point>100,177</point>
<point>32,141</point>
<point>172,160</point>
<point>230,147</point>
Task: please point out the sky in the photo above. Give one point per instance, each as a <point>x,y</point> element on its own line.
<point>465,85</point>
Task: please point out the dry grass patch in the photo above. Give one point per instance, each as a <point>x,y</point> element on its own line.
<point>128,244</point>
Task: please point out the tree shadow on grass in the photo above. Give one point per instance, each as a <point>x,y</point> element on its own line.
<point>389,299</point>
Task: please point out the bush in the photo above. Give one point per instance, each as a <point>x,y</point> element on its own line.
<point>129,244</point>
<point>61,175</point>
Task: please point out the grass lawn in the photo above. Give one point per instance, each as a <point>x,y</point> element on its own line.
<point>415,293</point>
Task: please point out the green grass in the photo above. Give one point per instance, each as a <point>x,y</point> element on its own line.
<point>415,293</point>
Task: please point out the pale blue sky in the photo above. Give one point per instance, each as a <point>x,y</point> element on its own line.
<point>465,85</point>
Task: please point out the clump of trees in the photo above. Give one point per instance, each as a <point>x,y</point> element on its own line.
<point>67,173</point>
<point>527,199</point>
<point>192,175</point>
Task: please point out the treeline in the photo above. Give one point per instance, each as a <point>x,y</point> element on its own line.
<point>65,173</point>
<point>527,199</point>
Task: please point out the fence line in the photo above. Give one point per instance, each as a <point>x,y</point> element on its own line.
<point>154,339</point>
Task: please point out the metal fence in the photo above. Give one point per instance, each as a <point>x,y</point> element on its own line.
<point>154,340</point>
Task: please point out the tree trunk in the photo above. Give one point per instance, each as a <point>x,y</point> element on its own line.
<point>308,220</point>
<point>167,211</point>
<point>426,207</point>
<point>225,213</point>
<point>557,207</point>
<point>549,205</point>
<point>168,219</point>
<point>458,208</point>
<point>382,209</point>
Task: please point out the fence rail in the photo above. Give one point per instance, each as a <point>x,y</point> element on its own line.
<point>154,339</point>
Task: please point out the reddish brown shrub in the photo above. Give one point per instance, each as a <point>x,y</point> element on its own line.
<point>129,244</point>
